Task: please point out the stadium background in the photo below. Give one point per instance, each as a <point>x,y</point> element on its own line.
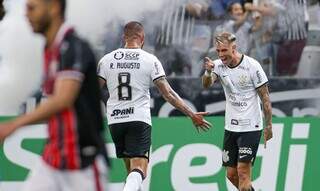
<point>181,159</point>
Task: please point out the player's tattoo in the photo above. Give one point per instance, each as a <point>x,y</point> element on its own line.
<point>265,98</point>
<point>171,96</point>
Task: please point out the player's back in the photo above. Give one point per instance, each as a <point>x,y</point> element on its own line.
<point>129,74</point>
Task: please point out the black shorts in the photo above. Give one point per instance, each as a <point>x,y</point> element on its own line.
<point>240,147</point>
<point>131,139</point>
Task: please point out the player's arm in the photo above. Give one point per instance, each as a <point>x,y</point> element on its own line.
<point>102,82</point>
<point>263,93</point>
<point>64,96</point>
<point>174,99</point>
<point>208,78</point>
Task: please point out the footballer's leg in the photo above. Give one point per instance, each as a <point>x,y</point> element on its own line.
<point>232,175</point>
<point>248,144</point>
<point>137,147</point>
<point>230,156</point>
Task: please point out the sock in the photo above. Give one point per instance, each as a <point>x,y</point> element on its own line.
<point>133,181</point>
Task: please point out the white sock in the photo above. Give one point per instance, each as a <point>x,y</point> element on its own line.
<point>133,182</point>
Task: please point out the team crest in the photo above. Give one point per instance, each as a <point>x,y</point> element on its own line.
<point>225,156</point>
<point>243,80</point>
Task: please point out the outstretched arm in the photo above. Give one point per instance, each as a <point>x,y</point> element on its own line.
<point>174,99</point>
<point>64,96</point>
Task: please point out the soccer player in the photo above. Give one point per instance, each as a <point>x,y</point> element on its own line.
<point>243,81</point>
<point>128,73</point>
<point>73,156</point>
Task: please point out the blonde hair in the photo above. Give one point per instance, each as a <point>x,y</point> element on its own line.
<point>225,37</point>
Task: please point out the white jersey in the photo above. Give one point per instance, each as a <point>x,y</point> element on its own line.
<point>129,74</point>
<point>243,111</point>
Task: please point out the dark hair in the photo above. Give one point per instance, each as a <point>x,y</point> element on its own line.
<point>63,5</point>
<point>230,5</point>
<point>133,29</point>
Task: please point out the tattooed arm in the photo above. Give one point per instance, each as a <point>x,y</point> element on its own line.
<point>263,93</point>
<point>174,99</point>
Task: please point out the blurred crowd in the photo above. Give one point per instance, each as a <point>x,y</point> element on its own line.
<point>275,32</point>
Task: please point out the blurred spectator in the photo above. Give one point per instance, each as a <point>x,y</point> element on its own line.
<point>238,25</point>
<point>199,45</point>
<point>264,15</point>
<point>2,10</point>
<point>218,8</point>
<point>291,33</point>
<point>198,8</point>
<point>174,38</point>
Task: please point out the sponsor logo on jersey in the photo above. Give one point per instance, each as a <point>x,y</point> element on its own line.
<point>239,104</point>
<point>241,122</point>
<point>243,68</point>
<point>131,56</point>
<point>234,122</point>
<point>258,77</point>
<point>156,68</point>
<point>122,112</point>
<point>245,150</point>
<point>128,65</point>
<point>118,55</point>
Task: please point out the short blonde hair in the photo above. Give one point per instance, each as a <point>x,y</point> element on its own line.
<point>225,37</point>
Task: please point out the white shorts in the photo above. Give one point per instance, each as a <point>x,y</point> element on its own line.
<point>44,177</point>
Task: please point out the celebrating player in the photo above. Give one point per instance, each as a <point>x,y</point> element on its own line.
<point>128,73</point>
<point>243,79</point>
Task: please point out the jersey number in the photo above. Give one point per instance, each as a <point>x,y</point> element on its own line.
<point>124,88</point>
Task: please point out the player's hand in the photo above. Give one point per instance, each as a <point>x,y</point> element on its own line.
<point>267,134</point>
<point>6,129</point>
<point>208,64</point>
<point>199,122</point>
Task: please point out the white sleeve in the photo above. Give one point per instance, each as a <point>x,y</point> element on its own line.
<point>259,77</point>
<point>157,69</point>
<point>101,70</point>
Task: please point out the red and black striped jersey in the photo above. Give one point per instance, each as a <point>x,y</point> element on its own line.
<point>76,133</point>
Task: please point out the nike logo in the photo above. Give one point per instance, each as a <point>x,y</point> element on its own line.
<point>224,76</point>
<point>241,156</point>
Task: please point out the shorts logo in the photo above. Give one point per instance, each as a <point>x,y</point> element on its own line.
<point>242,156</point>
<point>225,156</point>
<point>122,112</point>
<point>245,150</point>
<point>118,55</point>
